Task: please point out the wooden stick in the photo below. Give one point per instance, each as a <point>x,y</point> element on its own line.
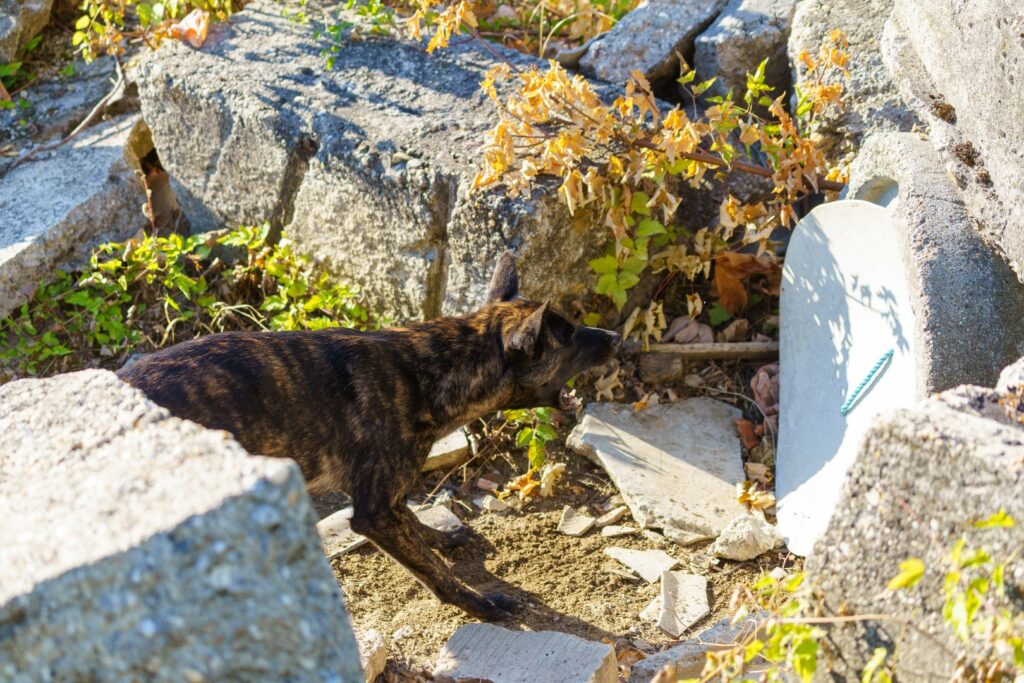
<point>716,351</point>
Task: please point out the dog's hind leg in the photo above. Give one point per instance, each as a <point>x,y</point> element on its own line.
<point>392,531</point>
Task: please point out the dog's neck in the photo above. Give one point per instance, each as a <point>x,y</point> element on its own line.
<point>461,367</point>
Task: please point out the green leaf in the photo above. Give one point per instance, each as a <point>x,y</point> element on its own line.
<point>524,437</point>
<point>718,315</point>
<point>700,88</point>
<point>911,571</point>
<point>605,264</point>
<point>649,227</point>
<point>84,21</point>
<point>873,671</point>
<point>638,204</point>
<point>9,69</point>
<point>998,520</point>
<point>545,432</point>
<point>536,453</point>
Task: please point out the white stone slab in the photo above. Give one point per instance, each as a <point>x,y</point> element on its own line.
<point>573,523</point>
<point>612,516</point>
<point>684,602</point>
<point>337,537</point>
<point>373,654</point>
<point>491,653</point>
<point>490,503</point>
<point>676,465</point>
<point>650,564</point>
<point>844,303</point>
<point>448,452</point>
<point>614,531</point>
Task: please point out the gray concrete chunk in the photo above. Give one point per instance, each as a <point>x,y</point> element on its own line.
<point>648,38</point>
<point>140,546</point>
<point>448,452</point>
<point>483,652</point>
<point>676,465</point>
<point>684,602</point>
<point>54,209</point>
<point>367,166</point>
<point>337,536</point>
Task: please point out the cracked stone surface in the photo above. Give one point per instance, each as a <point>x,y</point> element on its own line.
<point>676,465</point>
<point>367,166</point>
<point>131,537</point>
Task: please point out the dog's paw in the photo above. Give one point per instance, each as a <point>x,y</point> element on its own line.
<point>495,607</point>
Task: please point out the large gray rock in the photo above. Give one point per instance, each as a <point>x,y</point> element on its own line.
<point>55,208</point>
<point>922,476</point>
<point>20,20</point>
<point>974,121</point>
<point>872,102</point>
<point>744,34</point>
<point>648,38</point>
<point>367,166</point>
<point>958,339</point>
<point>137,546</point>
<point>675,464</point>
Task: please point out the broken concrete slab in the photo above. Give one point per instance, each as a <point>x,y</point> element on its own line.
<point>980,139</point>
<point>612,516</point>
<point>573,523</point>
<point>389,138</point>
<point>744,34</point>
<point>449,452</point>
<point>54,209</point>
<point>648,39</point>
<point>650,564</point>
<point>131,537</point>
<point>846,303</point>
<point>484,652</point>
<point>337,536</point>
<point>944,257</point>
<point>373,654</point>
<point>872,101</point>
<point>676,465</point>
<point>690,656</point>
<point>746,537</point>
<point>614,531</point>
<point>950,468</point>
<point>20,21</point>
<point>684,602</point>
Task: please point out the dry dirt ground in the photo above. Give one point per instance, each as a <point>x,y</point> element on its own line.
<point>564,582</point>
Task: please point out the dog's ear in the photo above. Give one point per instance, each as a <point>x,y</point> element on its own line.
<point>505,281</point>
<point>523,337</point>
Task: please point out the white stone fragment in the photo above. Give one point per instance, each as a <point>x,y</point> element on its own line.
<point>748,536</point>
<point>650,564</point>
<point>448,452</point>
<point>612,516</point>
<point>573,523</point>
<point>614,531</point>
<point>490,503</point>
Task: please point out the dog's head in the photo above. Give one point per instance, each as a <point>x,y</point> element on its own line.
<point>543,350</point>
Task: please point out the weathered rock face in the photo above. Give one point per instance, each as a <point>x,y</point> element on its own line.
<point>367,166</point>
<point>745,33</point>
<point>956,341</point>
<point>971,98</point>
<point>54,209</point>
<point>648,38</point>
<point>140,546</point>
<point>947,468</point>
<point>872,102</point>
<point>20,20</point>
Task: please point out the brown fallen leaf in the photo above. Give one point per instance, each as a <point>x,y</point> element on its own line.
<point>686,330</point>
<point>735,331</point>
<point>747,434</point>
<point>192,28</point>
<point>4,95</point>
<point>731,269</point>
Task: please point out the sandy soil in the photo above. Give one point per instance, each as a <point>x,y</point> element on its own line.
<point>563,581</point>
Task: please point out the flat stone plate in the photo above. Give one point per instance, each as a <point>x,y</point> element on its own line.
<point>844,303</point>
<point>675,464</point>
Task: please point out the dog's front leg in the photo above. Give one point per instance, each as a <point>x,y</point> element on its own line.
<point>391,530</point>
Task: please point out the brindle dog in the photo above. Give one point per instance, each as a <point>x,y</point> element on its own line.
<point>359,411</point>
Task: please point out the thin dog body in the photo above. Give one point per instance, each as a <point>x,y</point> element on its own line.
<point>359,411</point>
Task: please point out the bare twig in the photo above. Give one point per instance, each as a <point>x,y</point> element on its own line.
<point>100,106</point>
